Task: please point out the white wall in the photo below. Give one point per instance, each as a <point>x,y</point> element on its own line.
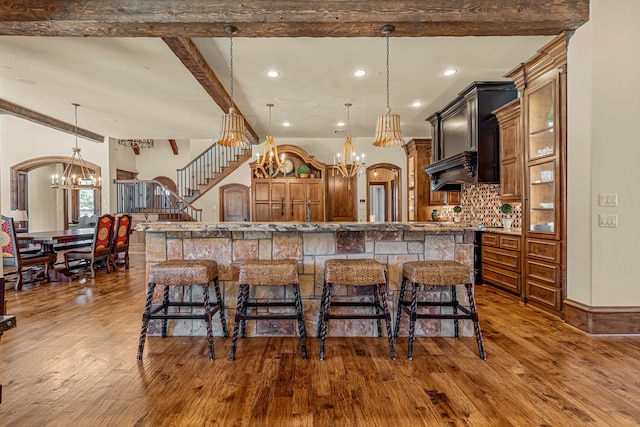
<point>604,153</point>
<point>21,140</point>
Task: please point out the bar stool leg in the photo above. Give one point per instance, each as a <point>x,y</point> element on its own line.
<point>207,312</point>
<point>454,301</point>
<point>145,320</point>
<point>476,322</point>
<point>387,318</point>
<point>326,297</point>
<point>376,302</point>
<point>399,308</point>
<point>165,309</point>
<point>300,314</point>
<point>413,316</point>
<point>245,306</point>
<point>223,319</point>
<point>321,312</point>
<point>240,309</point>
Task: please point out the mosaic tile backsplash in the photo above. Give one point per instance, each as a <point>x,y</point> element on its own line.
<point>481,205</point>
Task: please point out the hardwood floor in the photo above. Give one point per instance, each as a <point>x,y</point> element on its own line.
<point>72,361</point>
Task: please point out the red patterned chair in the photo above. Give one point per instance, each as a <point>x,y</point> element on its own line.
<point>121,234</point>
<point>100,248</point>
<point>13,259</point>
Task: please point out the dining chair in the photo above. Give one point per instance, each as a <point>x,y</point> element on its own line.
<point>120,245</point>
<point>100,247</point>
<point>12,258</point>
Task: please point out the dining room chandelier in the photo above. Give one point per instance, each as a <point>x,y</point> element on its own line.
<point>76,174</point>
<point>137,143</point>
<point>388,131</point>
<point>348,162</point>
<point>270,163</point>
<point>233,132</point>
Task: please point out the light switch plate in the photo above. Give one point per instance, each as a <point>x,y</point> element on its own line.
<point>608,220</point>
<point>608,199</point>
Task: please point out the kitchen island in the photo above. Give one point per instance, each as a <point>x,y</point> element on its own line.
<point>311,244</point>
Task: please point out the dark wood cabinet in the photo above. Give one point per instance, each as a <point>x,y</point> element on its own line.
<point>419,187</point>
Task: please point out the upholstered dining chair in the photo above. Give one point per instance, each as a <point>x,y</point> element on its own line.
<point>100,248</point>
<point>120,245</point>
<point>12,258</point>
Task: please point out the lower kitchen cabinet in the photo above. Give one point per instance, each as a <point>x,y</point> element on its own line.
<point>502,261</point>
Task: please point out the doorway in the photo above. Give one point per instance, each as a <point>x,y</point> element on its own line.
<point>383,191</point>
<point>234,200</point>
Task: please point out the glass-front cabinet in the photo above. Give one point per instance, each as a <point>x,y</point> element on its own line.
<point>542,160</point>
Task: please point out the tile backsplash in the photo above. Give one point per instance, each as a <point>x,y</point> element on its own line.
<point>481,205</point>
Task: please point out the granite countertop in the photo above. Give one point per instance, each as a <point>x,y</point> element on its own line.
<point>500,230</point>
<point>317,227</point>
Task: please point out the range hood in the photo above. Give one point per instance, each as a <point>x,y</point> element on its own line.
<point>465,137</point>
<point>449,174</point>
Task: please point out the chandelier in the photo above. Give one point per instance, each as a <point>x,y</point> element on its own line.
<point>137,143</point>
<point>233,131</point>
<point>270,163</point>
<point>388,125</point>
<point>76,174</point>
<point>348,163</point>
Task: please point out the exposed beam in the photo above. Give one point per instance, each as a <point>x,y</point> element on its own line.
<point>290,18</point>
<point>33,116</point>
<point>191,57</point>
<point>174,146</point>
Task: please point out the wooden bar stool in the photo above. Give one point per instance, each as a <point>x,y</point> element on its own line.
<point>355,272</point>
<point>267,273</point>
<point>442,274</point>
<point>183,273</point>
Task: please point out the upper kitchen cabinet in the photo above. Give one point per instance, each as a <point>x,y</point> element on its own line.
<point>543,83</point>
<point>511,151</point>
<point>465,137</point>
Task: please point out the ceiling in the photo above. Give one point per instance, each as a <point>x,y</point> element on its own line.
<point>138,88</point>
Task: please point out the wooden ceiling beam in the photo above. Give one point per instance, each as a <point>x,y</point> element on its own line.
<point>291,18</point>
<point>193,60</point>
<point>7,107</point>
<point>174,146</point>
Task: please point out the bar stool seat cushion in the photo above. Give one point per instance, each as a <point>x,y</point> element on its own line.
<point>269,272</point>
<point>441,273</point>
<point>354,272</point>
<point>186,272</point>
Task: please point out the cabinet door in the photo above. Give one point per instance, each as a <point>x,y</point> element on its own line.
<point>341,197</point>
<point>278,201</point>
<point>437,197</point>
<point>261,201</point>
<point>453,198</point>
<point>510,166</point>
<point>543,199</point>
<point>541,121</point>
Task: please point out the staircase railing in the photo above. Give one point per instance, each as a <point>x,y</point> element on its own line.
<point>151,197</point>
<point>203,168</point>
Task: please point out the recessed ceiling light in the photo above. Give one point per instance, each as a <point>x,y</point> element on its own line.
<point>360,73</point>
<point>340,124</point>
<point>273,73</point>
<point>449,72</point>
<point>417,104</point>
<point>286,124</point>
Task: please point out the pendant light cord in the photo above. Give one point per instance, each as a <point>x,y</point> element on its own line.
<point>388,107</point>
<point>231,63</point>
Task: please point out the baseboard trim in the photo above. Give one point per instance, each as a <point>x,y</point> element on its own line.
<point>602,320</point>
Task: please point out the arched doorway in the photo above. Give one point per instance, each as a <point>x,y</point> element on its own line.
<point>384,193</point>
<point>47,209</point>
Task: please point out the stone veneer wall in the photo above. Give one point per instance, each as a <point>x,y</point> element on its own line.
<point>481,205</point>
<point>311,250</point>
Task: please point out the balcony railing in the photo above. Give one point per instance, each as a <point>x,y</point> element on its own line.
<point>151,197</point>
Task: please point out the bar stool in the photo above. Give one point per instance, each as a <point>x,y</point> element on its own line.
<point>183,273</point>
<point>442,274</point>
<point>355,272</point>
<point>267,273</point>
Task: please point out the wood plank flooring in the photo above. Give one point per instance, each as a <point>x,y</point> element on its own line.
<point>72,361</point>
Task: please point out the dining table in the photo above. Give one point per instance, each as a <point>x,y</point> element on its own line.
<point>52,241</point>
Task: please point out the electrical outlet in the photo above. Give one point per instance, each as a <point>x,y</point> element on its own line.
<point>608,220</point>
<point>608,199</point>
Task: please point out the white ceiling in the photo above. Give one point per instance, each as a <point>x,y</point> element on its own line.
<point>138,88</point>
